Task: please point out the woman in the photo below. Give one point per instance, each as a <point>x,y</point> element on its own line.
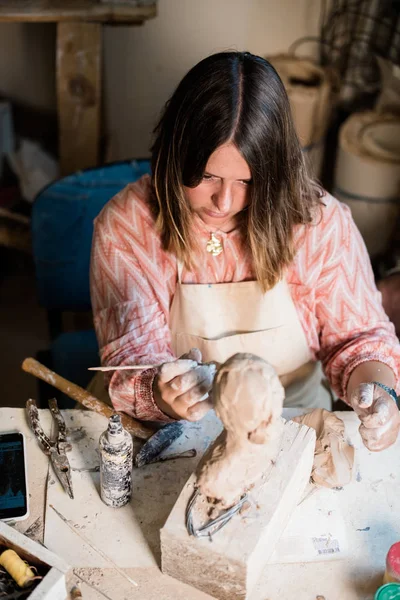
<point>229,202</point>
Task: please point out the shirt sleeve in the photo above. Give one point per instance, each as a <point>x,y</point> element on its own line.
<point>130,302</point>
<point>353,327</point>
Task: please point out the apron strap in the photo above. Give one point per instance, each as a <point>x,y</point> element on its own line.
<point>179,265</point>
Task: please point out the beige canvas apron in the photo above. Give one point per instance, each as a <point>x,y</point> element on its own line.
<point>225,318</point>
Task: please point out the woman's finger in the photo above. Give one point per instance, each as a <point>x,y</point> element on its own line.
<point>169,370</point>
<point>363,396</point>
<point>382,411</point>
<point>198,411</point>
<point>381,437</point>
<point>192,378</point>
<point>193,354</point>
<point>192,396</point>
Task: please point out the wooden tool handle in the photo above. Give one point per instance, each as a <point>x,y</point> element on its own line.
<point>32,366</point>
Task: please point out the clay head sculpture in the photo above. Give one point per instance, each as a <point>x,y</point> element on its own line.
<point>248,398</point>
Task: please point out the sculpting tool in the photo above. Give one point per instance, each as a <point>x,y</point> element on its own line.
<point>213,525</point>
<point>192,453</point>
<point>123,368</point>
<point>161,440</point>
<point>133,367</point>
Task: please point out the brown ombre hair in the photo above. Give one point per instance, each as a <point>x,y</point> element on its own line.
<point>234,97</point>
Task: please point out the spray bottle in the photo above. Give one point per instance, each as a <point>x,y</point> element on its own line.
<point>116,450</point>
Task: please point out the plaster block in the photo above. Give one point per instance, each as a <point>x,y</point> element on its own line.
<point>229,566</point>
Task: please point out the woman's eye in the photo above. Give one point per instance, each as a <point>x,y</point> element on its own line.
<point>207,177</point>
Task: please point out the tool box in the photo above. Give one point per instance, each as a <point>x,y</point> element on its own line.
<point>49,565</point>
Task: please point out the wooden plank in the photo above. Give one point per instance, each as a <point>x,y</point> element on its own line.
<point>228,567</point>
<point>36,11</point>
<point>79,94</point>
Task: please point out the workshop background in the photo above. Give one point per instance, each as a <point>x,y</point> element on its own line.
<point>83,88</point>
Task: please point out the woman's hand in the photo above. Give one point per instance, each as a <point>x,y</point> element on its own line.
<point>379,416</point>
<point>181,387</point>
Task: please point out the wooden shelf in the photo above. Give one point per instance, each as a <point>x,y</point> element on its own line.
<point>94,11</point>
<point>79,24</point>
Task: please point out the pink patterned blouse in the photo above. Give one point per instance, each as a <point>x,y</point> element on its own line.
<point>133,281</point>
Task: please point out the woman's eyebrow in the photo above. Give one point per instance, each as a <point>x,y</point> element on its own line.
<point>247,180</point>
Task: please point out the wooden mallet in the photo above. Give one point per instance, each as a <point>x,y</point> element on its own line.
<point>32,366</point>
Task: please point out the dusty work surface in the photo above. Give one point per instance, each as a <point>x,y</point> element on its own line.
<point>369,506</point>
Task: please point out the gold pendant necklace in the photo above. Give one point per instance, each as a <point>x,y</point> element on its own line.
<point>214,245</point>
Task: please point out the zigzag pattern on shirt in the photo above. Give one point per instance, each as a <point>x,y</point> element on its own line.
<point>333,261</point>
<point>133,281</point>
<point>131,253</point>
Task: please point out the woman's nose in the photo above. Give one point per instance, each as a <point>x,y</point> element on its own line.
<point>222,198</point>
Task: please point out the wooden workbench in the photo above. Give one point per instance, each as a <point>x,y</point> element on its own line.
<point>369,505</point>
<point>78,59</point>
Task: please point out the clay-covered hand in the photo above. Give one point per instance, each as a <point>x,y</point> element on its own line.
<point>181,387</point>
<point>379,416</point>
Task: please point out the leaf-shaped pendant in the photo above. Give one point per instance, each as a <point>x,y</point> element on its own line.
<point>214,245</point>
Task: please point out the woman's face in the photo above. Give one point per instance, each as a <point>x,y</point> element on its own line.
<point>224,189</point>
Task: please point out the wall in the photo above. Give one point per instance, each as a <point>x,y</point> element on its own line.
<point>27,63</point>
<point>142,65</point>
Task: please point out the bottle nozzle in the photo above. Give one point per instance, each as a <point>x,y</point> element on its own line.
<point>114,425</point>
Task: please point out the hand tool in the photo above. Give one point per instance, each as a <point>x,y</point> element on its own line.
<point>32,366</point>
<point>160,439</point>
<point>56,449</point>
<point>132,367</point>
<point>192,453</point>
<point>123,368</point>
<point>214,525</point>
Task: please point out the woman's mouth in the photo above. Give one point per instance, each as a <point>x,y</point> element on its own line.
<point>215,215</point>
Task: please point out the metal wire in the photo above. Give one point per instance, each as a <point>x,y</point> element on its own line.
<point>214,525</point>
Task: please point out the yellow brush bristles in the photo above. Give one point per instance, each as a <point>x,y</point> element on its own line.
<point>19,570</point>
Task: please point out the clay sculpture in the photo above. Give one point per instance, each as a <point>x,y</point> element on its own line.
<point>248,398</point>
